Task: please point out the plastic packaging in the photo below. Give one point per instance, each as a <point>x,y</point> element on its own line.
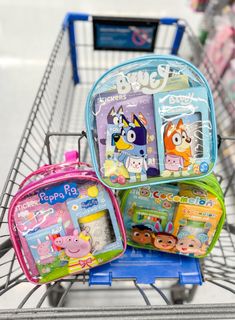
<point>185,218</point>
<point>64,222</point>
<point>151,120</point>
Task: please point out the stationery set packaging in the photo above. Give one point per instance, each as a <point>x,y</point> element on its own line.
<point>65,222</point>
<point>151,120</point>
<point>184,218</point>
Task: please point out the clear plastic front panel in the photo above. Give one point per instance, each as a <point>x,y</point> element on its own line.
<point>150,121</point>
<point>179,218</point>
<point>66,228</point>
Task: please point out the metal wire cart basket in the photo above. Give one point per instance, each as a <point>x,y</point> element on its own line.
<point>57,117</point>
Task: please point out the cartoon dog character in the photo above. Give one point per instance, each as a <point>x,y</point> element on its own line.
<point>141,234</point>
<point>164,240</point>
<point>114,121</point>
<point>191,244</point>
<point>114,117</point>
<point>177,147</point>
<point>132,142</point>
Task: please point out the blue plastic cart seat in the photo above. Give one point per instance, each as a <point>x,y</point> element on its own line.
<point>145,266</point>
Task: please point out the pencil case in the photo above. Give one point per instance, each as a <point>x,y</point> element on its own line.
<point>151,120</point>
<point>184,218</point>
<point>64,221</point>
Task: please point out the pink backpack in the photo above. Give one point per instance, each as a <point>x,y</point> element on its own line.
<point>64,221</point>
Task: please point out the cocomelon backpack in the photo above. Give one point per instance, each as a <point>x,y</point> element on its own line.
<point>151,120</point>
<point>64,222</point>
<point>184,218</point>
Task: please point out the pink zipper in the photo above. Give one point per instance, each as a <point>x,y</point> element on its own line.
<point>44,182</point>
<point>48,168</point>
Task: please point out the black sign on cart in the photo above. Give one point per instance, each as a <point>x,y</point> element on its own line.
<point>127,34</point>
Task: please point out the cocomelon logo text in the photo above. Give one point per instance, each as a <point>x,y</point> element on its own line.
<point>143,81</point>
<point>59,193</point>
<point>183,199</point>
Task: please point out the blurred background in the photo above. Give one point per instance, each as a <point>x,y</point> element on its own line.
<point>28,30</point>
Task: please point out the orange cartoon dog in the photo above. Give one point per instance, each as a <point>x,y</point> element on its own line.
<point>177,146</point>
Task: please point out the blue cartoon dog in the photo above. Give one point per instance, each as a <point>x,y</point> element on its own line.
<point>132,142</point>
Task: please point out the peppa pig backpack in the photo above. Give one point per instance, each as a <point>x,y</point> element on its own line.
<point>64,221</point>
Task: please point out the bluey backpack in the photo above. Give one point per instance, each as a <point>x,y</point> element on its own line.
<point>151,120</point>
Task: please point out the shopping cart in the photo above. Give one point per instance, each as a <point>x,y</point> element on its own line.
<point>56,119</point>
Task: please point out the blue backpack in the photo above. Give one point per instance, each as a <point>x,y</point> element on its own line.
<point>151,120</point>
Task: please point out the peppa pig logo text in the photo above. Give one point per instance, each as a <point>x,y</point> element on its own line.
<point>59,193</point>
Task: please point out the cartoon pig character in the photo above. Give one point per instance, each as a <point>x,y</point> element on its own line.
<point>44,252</point>
<point>76,245</point>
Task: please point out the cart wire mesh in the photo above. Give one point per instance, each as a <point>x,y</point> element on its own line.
<point>59,108</point>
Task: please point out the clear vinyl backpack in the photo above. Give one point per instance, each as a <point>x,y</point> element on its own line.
<point>184,218</point>
<point>64,222</point>
<point>151,120</point>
